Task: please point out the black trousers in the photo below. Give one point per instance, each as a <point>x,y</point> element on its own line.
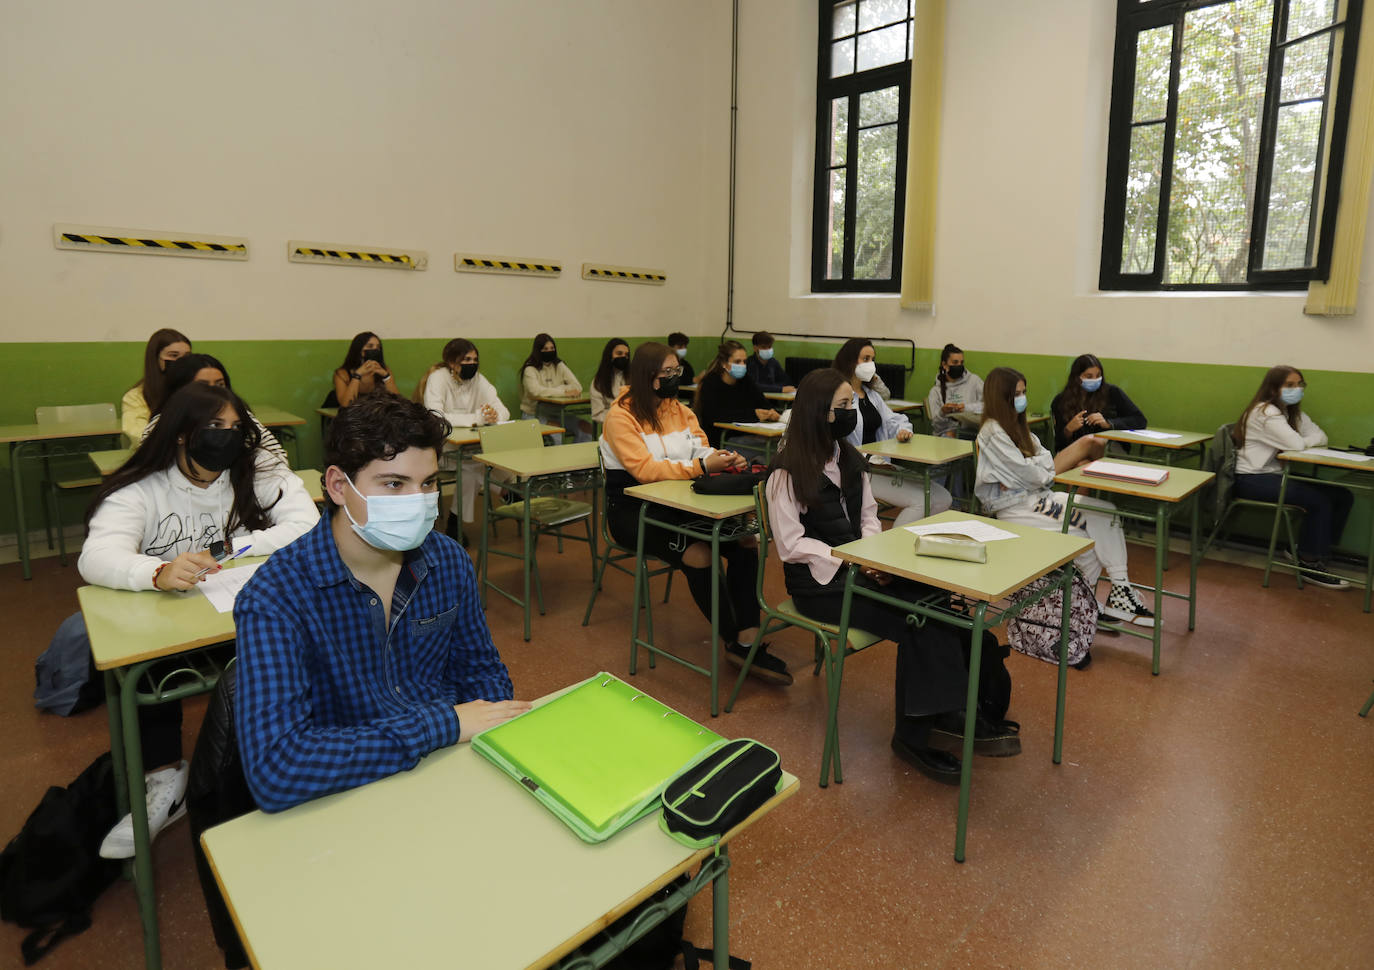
<point>1327,506</point>
<point>739,605</point>
<point>159,727</point>
<point>931,677</point>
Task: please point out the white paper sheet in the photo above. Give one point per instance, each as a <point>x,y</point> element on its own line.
<point>897,402</point>
<point>1333,453</point>
<point>221,587</point>
<point>762,425</point>
<point>1156,435</point>
<point>979,531</point>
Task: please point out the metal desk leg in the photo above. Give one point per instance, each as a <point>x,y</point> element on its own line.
<point>1066,597</point>
<point>715,617</point>
<point>1193,557</point>
<point>1369,565</point>
<point>720,913</point>
<point>641,583</point>
<point>925,478</point>
<point>21,529</point>
<point>527,539</point>
<point>970,717</point>
<point>112,708</point>
<point>138,807</point>
<point>830,752</point>
<point>483,557</point>
<point>1364,711</point>
<point>1274,531</point>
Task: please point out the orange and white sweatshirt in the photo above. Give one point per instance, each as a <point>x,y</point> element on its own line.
<point>675,451</point>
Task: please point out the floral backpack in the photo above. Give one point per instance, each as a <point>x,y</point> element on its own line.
<point>1036,631</point>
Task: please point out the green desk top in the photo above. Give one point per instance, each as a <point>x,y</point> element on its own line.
<point>528,462</point>
<point>1012,563</point>
<point>1181,482</point>
<point>750,429</point>
<point>327,412</point>
<point>901,405</point>
<point>128,627</point>
<point>1350,464</point>
<point>780,395</point>
<point>921,448</point>
<point>1187,439</point>
<point>459,867</point>
<point>465,437</point>
<point>54,430</point>
<point>274,417</point>
<point>108,462</point>
<point>678,494</point>
<point>568,401</point>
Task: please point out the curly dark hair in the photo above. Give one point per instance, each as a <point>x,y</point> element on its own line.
<point>379,427</point>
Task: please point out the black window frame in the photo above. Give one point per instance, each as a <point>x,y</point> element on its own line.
<point>1136,16</point>
<point>851,86</point>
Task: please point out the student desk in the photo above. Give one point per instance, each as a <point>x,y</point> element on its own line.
<point>927,451</point>
<point>535,472</point>
<point>711,518</point>
<point>283,424</point>
<point>1011,565</point>
<point>1187,442</point>
<point>109,462</point>
<point>576,404</point>
<point>1361,470</point>
<point>129,631</point>
<point>1182,485</point>
<point>458,868</point>
<point>52,440</point>
<point>468,441</point>
<point>770,435</point>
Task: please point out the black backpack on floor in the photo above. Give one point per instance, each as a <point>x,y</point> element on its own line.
<point>51,872</point>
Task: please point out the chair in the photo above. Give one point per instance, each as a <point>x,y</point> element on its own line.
<point>1221,459</point>
<point>613,555</point>
<point>547,513</point>
<point>76,472</point>
<point>1364,711</point>
<point>828,651</point>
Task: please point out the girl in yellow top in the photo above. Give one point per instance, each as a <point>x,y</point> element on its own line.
<point>145,397</point>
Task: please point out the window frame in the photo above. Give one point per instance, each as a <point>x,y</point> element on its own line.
<point>1133,18</point>
<point>851,87</point>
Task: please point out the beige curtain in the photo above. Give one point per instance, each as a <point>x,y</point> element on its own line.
<point>923,156</point>
<point>1337,296</point>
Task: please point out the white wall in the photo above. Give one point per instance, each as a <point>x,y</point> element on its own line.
<point>1022,162</point>
<point>587,131</point>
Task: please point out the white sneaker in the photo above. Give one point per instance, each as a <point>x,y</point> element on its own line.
<point>166,794</point>
<point>1124,603</point>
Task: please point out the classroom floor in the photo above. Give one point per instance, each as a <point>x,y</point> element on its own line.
<point>1218,815</point>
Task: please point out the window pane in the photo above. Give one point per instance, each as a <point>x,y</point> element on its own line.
<point>1142,199</point>
<point>839,131</point>
<point>834,269</point>
<point>1220,100</point>
<point>1303,69</point>
<point>844,20</point>
<point>882,47</point>
<point>842,58</point>
<point>875,199</point>
<point>878,107</point>
<point>1296,143</point>
<point>1153,49</point>
<point>875,13</point>
<point>1305,16</point>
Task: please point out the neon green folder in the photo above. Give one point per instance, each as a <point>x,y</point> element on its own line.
<point>597,756</point>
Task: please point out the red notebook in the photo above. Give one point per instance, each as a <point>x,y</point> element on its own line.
<point>1138,474</point>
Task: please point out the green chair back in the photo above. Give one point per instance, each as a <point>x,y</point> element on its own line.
<point>74,413</point>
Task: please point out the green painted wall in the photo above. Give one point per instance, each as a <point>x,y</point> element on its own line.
<point>295,375</point>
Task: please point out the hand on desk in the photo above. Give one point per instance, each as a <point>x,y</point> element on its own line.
<point>903,434</point>
<point>474,717</point>
<point>767,414</point>
<point>876,575</point>
<point>721,461</point>
<point>489,414</point>
<point>951,408</point>
<point>181,572</point>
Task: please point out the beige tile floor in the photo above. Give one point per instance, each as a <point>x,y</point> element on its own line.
<point>1218,816</point>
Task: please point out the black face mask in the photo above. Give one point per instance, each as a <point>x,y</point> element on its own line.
<point>467,371</point>
<point>215,449</point>
<point>548,356</point>
<point>372,355</point>
<point>846,420</point>
<point>667,387</point>
<point>956,371</point>
<point>620,363</point>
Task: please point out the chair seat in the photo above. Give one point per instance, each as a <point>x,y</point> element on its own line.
<point>547,511</point>
<point>858,639</point>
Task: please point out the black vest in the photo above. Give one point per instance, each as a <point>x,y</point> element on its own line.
<point>826,521</point>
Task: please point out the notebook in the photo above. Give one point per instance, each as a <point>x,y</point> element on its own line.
<point>597,756</point>
<point>1140,474</point>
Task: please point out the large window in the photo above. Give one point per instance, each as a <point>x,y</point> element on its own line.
<point>862,83</point>
<point>1226,139</point>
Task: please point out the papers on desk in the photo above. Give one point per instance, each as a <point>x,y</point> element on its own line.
<point>1116,471</point>
<point>762,425</point>
<point>221,588</point>
<point>894,403</point>
<point>1333,453</point>
<point>978,531</point>
<point>1153,435</point>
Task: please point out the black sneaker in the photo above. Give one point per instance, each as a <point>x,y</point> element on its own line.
<point>1124,603</point>
<point>999,740</point>
<point>934,764</point>
<point>766,666</point>
<point>1330,581</point>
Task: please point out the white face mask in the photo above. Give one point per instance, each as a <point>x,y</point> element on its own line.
<point>865,371</point>
<point>397,523</point>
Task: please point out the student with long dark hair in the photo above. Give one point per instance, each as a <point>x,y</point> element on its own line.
<point>198,478</point>
<point>363,371</point>
<point>956,391</point>
<point>727,393</point>
<point>819,497</point>
<point>1088,404</point>
<point>144,399</point>
<point>543,374</point>
<point>857,362</point>
<point>205,369</point>
<point>651,436</point>
<point>610,376</point>
<point>1272,422</point>
<point>1015,482</point>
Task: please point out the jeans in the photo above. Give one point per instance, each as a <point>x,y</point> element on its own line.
<point>1326,508</point>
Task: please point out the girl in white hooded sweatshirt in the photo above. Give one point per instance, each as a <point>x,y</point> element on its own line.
<point>956,391</point>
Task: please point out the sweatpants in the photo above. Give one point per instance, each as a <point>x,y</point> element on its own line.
<point>1108,554</point>
<point>909,496</point>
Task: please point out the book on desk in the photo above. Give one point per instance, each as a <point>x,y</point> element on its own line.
<point>1136,474</point>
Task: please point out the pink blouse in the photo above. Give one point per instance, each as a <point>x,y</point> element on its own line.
<point>784,515</point>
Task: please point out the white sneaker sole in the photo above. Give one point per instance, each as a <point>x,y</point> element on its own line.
<point>1127,617</point>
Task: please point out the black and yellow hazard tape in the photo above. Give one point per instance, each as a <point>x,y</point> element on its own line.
<point>492,264</point>
<point>132,243</point>
<point>622,274</point>
<point>348,255</point>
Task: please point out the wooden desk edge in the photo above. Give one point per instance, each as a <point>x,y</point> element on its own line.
<point>977,594</point>
<point>1134,489</point>
<point>1326,461</point>
<point>671,503</point>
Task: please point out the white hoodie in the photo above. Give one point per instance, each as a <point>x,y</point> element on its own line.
<point>460,401</point>
<point>154,520</point>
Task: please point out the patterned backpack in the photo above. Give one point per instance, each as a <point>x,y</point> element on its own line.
<point>1036,631</point>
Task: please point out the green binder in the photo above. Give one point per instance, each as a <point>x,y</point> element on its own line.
<point>597,756</point>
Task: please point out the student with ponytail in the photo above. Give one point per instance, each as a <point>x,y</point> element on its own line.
<point>956,391</point>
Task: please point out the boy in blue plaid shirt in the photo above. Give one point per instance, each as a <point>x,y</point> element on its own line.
<point>363,646</point>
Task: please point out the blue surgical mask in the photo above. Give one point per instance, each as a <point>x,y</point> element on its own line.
<point>766,354</point>
<point>1290,395</point>
<point>397,523</point>
<point>737,371</point>
<point>1020,402</point>
<point>1090,385</point>
<point>680,351</point>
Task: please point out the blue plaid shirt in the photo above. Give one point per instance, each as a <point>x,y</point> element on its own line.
<point>328,697</point>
